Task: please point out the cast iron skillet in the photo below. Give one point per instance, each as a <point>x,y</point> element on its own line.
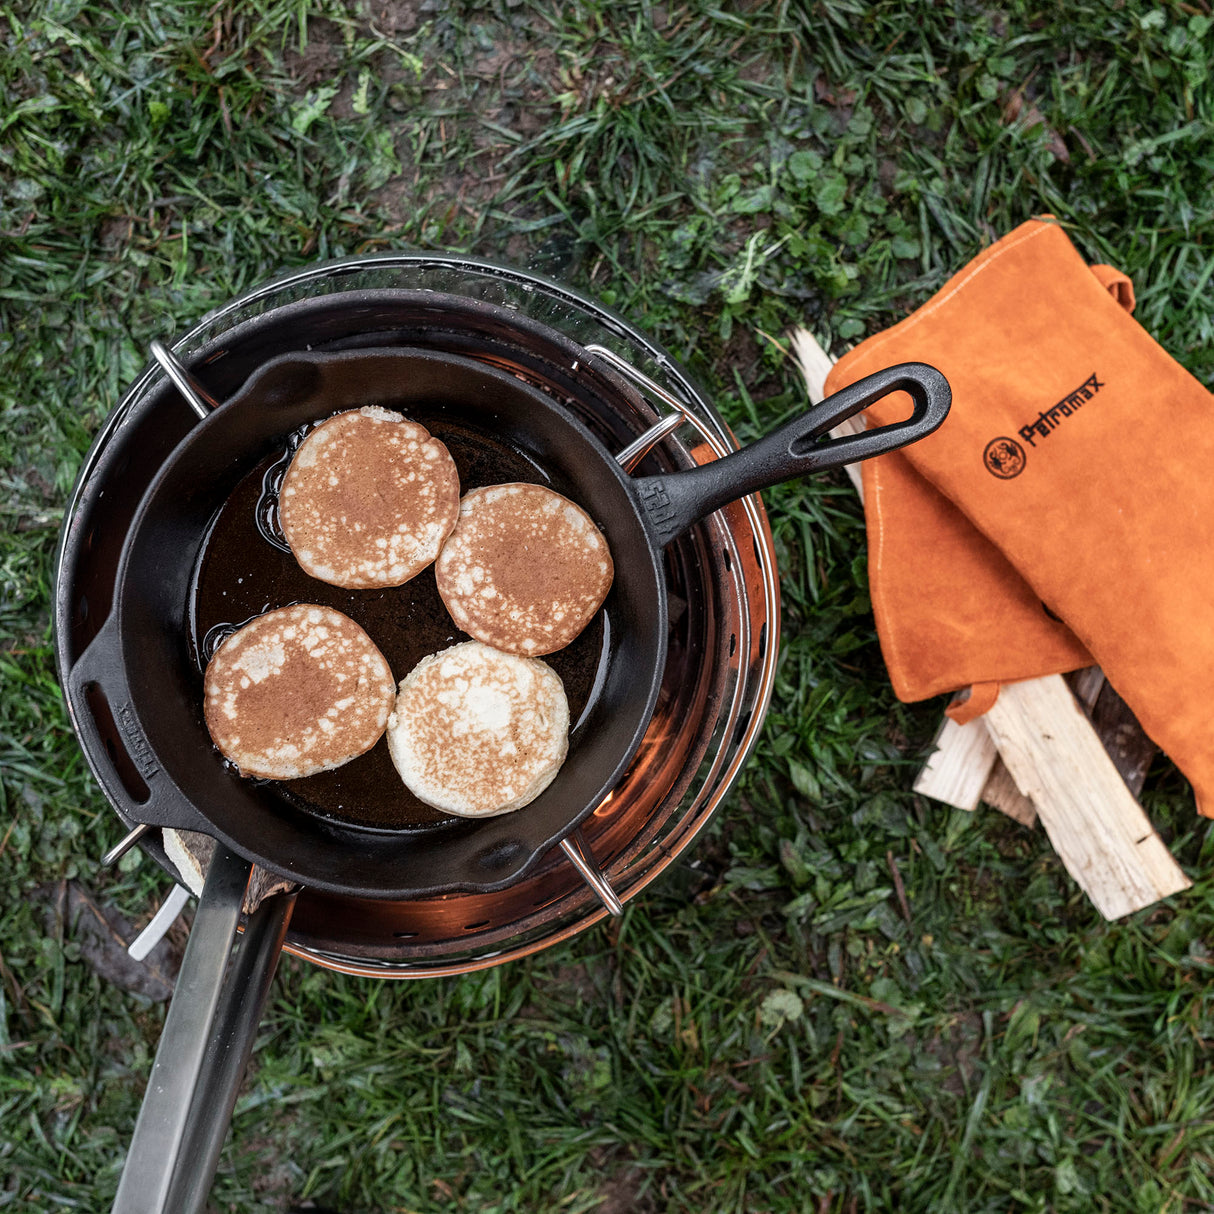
<point>142,660</point>
<point>144,664</point>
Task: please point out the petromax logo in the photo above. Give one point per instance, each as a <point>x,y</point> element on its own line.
<point>1005,458</point>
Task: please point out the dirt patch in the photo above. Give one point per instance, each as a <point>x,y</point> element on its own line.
<point>115,232</point>
<point>743,351</point>
<point>394,17</point>
<point>624,1194</point>
<point>40,485</point>
<point>278,1176</point>
<point>580,980</point>
<point>507,96</point>
<point>318,62</point>
<point>959,1051</point>
<point>523,81</point>
<point>459,195</point>
<point>103,933</point>
<point>625,1187</point>
<point>577,985</point>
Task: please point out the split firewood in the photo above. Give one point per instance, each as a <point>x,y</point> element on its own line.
<point>1098,829</point>
<point>190,854</point>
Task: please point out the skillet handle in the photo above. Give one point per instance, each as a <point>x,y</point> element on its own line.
<point>103,713</point>
<point>673,503</point>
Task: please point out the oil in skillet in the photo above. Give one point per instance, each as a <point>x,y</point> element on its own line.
<point>246,568</point>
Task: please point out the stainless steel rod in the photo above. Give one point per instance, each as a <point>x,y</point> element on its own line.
<point>124,845</point>
<point>641,446</point>
<point>575,847</point>
<point>638,377</point>
<point>231,1044</point>
<point>166,1111</point>
<point>198,398</point>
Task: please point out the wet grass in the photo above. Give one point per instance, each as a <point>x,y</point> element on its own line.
<point>796,1035</point>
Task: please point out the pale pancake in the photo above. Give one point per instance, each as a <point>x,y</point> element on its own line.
<point>296,691</point>
<point>477,732</point>
<point>524,570</point>
<point>368,499</point>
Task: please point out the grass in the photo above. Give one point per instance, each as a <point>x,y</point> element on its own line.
<point>776,1030</point>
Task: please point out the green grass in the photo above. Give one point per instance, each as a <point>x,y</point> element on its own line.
<point>770,1031</point>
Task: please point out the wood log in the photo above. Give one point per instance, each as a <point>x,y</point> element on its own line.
<point>191,852</point>
<point>1100,832</point>
<point>1000,792</point>
<point>959,767</point>
<point>1125,740</point>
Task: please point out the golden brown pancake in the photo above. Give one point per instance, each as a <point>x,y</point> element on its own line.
<point>477,732</point>
<point>368,499</point>
<point>296,691</point>
<point>524,570</point>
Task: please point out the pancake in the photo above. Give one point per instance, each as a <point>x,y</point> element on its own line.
<point>368,499</point>
<point>524,570</point>
<point>297,691</point>
<point>477,732</point>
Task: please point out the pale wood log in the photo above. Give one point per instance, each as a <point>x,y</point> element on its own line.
<point>1098,829</point>
<point>958,770</point>
<point>1117,728</point>
<point>1000,791</point>
<point>190,853</point>
<point>815,366</point>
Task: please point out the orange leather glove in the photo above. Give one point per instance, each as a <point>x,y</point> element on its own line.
<point>951,610</point>
<point>1071,479</point>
